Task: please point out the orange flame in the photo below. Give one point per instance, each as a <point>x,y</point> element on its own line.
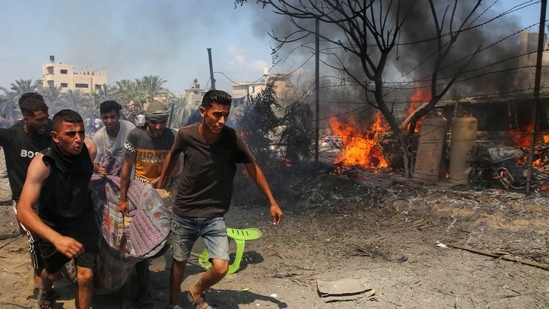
<point>417,99</point>
<point>360,148</point>
<point>521,136</point>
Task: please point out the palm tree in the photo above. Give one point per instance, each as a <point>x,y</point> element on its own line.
<point>38,84</point>
<point>78,101</point>
<point>51,95</point>
<point>126,91</point>
<point>103,94</point>
<point>151,87</point>
<point>22,86</point>
<point>8,103</point>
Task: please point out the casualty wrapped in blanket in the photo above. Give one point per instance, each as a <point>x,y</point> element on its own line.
<point>130,238</point>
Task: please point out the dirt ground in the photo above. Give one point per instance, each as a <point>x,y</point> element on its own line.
<point>399,237</point>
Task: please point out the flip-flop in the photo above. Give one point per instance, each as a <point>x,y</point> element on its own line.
<point>45,299</point>
<point>199,303</point>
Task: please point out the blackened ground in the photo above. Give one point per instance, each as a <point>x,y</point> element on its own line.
<point>395,233</point>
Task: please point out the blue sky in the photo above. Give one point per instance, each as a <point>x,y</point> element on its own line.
<point>167,38</point>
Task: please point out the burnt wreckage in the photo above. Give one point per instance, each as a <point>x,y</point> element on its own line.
<point>481,142</point>
<point>500,154</point>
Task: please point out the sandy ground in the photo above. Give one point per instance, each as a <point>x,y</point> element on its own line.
<point>398,237</point>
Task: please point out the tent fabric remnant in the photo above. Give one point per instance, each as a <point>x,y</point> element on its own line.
<point>127,239</point>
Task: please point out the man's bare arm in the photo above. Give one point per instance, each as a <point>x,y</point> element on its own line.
<point>257,175</point>
<point>169,169</point>
<point>92,150</point>
<point>125,182</point>
<point>37,174</point>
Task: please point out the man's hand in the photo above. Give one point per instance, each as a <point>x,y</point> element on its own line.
<point>123,207</point>
<point>101,171</point>
<point>68,246</point>
<point>155,184</point>
<point>276,213</point>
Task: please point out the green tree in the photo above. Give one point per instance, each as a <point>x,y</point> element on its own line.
<point>78,101</point>
<point>151,87</point>
<point>297,135</point>
<point>103,94</point>
<point>11,97</point>
<point>258,121</point>
<point>51,95</point>
<point>8,103</point>
<point>126,91</point>
<point>22,86</point>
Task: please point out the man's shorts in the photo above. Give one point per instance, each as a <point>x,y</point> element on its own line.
<point>186,230</point>
<point>87,233</point>
<point>34,248</point>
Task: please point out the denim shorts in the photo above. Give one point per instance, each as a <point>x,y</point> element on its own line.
<point>186,230</point>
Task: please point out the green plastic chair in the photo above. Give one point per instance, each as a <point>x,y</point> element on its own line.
<point>239,236</point>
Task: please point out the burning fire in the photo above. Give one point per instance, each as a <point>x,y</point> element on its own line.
<point>521,136</point>
<point>360,145</point>
<point>417,99</point>
<point>360,148</point>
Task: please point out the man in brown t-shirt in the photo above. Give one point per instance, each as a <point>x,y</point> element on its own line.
<point>211,151</point>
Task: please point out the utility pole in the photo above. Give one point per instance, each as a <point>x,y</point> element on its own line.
<point>317,87</point>
<point>541,43</point>
<point>212,79</point>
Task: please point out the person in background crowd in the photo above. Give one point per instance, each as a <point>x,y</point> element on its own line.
<point>4,123</point>
<point>110,139</point>
<point>130,115</point>
<point>90,126</point>
<point>57,184</point>
<point>146,148</point>
<point>140,119</point>
<point>87,122</point>
<point>211,151</point>
<point>21,143</point>
<point>97,123</point>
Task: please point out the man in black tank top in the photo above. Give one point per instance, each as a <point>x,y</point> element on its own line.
<point>58,182</point>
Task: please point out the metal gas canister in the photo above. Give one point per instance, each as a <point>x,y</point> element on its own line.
<point>464,138</point>
<point>430,148</point>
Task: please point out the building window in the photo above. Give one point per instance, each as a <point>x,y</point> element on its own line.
<point>80,85</point>
<point>64,71</point>
<point>97,86</point>
<point>64,85</point>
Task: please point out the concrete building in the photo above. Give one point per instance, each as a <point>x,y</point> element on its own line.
<point>193,95</point>
<point>63,75</point>
<point>281,82</point>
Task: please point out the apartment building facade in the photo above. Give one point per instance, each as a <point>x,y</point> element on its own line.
<point>281,82</point>
<point>64,75</point>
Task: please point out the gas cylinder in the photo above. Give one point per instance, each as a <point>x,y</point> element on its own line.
<point>464,138</point>
<point>430,147</point>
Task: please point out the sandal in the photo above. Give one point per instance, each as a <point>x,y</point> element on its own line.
<point>199,303</point>
<point>45,299</point>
